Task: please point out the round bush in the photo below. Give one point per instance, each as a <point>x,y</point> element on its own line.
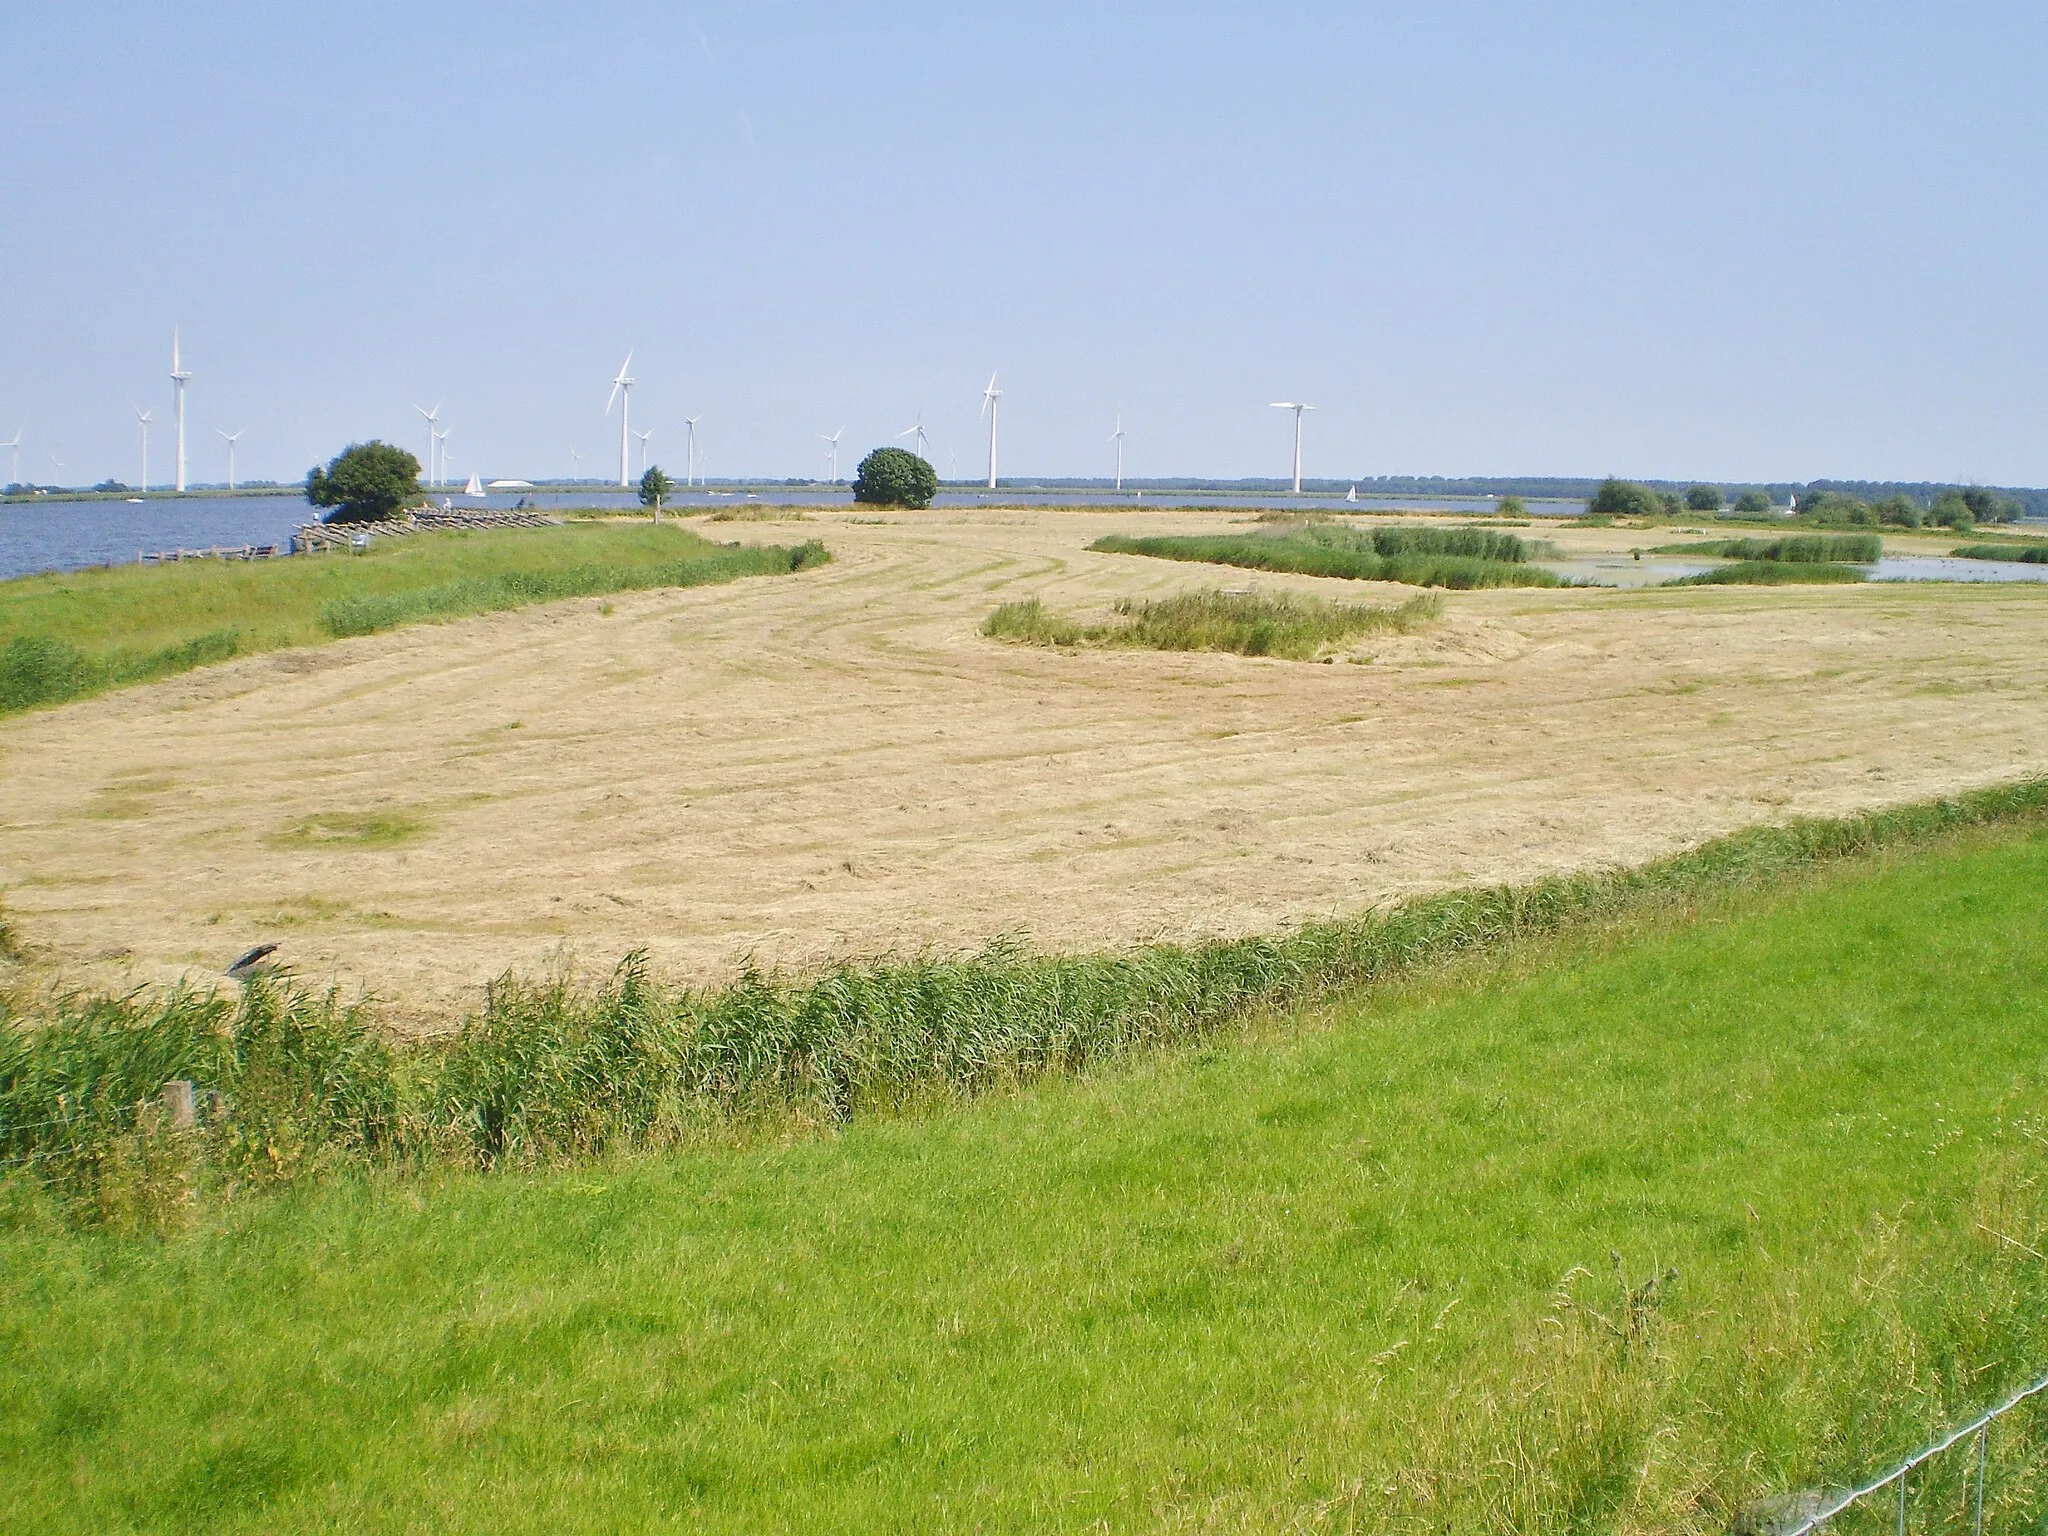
<point>895,477</point>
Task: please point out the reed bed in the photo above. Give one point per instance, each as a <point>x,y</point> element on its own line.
<point>1793,549</point>
<point>2035,553</point>
<point>1286,625</point>
<point>1770,573</point>
<point>1457,558</point>
<point>293,1081</point>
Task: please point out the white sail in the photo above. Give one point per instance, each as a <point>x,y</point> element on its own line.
<point>1353,496</point>
<point>475,486</point>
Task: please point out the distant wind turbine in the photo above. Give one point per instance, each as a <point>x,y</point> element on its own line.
<point>229,436</point>
<point>1289,405</point>
<point>690,456</point>
<point>832,454</point>
<point>643,436</point>
<point>15,448</point>
<point>142,422</point>
<point>441,455</point>
<point>179,378</point>
<point>433,428</point>
<point>989,399</point>
<point>575,459</point>
<point>622,386</point>
<point>1117,437</point>
<point>923,441</point>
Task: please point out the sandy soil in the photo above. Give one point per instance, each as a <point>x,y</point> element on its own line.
<point>802,768</point>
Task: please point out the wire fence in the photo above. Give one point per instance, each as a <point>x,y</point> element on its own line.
<point>1927,1493</point>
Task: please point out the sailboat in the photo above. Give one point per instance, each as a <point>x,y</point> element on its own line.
<point>1352,495</point>
<point>475,486</point>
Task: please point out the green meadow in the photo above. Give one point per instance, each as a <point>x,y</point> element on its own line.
<point>1729,1184</point>
<point>70,634</point>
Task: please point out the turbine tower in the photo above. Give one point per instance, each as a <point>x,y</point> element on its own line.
<point>1289,405</point>
<point>142,422</point>
<point>575,462</point>
<point>690,456</point>
<point>15,448</point>
<point>433,429</point>
<point>832,454</point>
<point>440,456</point>
<point>989,397</point>
<point>230,436</point>
<point>643,436</point>
<point>178,380</point>
<point>923,439</point>
<point>622,386</point>
<point>1117,437</point>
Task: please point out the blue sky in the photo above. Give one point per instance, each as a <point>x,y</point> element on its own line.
<point>1737,241</point>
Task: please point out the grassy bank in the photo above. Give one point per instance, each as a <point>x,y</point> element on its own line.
<point>1424,557</point>
<point>64,636</point>
<point>1736,1194</point>
<point>1770,573</point>
<point>1289,626</point>
<point>1793,549</point>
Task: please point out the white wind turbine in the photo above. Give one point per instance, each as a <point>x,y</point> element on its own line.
<point>1289,405</point>
<point>1117,437</point>
<point>229,436</point>
<point>923,441</point>
<point>142,423</point>
<point>178,381</point>
<point>622,386</point>
<point>575,462</point>
<point>989,399</point>
<point>433,436</point>
<point>643,436</point>
<point>690,455</point>
<point>14,447</point>
<point>832,454</point>
<point>441,455</point>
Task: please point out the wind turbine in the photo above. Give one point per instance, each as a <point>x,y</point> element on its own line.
<point>178,381</point>
<point>14,448</point>
<point>832,454</point>
<point>989,397</point>
<point>1289,405</point>
<point>441,455</point>
<point>575,461</point>
<point>1117,437</point>
<point>622,385</point>
<point>690,457</point>
<point>230,436</point>
<point>433,428</point>
<point>141,421</point>
<point>923,439</point>
<point>643,436</point>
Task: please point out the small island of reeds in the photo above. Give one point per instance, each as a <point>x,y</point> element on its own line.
<point>1459,558</point>
<point>1285,625</point>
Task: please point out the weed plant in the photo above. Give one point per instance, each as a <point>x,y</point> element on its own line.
<point>1458,558</point>
<point>1286,625</point>
<point>69,635</point>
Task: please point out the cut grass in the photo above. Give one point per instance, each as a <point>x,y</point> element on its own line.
<point>375,829</point>
<point>1292,627</point>
<point>1794,549</point>
<point>65,636</point>
<point>1769,573</point>
<point>1616,1233</point>
<point>1458,558</point>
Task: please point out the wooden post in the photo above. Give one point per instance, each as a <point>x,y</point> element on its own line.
<point>178,1103</point>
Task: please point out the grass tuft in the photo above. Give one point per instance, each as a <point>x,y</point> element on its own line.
<point>331,829</point>
<point>1286,625</point>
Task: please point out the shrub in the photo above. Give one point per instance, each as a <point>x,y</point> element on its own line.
<point>365,482</point>
<point>1512,506</point>
<point>1753,504</point>
<point>1703,498</point>
<point>1951,509</point>
<point>895,477</point>
<point>1898,512</point>
<point>1624,498</point>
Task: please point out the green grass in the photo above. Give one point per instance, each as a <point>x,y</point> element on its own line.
<point>1423,557</point>
<point>2033,553</point>
<point>1293,627</point>
<point>1769,573</point>
<point>1613,1231</point>
<point>1794,549</point>
<point>64,636</point>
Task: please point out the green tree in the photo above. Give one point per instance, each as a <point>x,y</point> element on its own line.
<point>654,489</point>
<point>365,482</point>
<point>1951,509</point>
<point>1753,504</point>
<point>1898,512</point>
<point>895,477</point>
<point>1624,498</point>
<point>1703,498</point>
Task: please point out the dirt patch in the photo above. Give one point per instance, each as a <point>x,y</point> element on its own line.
<point>838,762</point>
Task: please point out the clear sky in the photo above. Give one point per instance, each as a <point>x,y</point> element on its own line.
<point>1736,241</point>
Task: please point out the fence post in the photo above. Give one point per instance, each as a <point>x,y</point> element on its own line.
<point>178,1104</point>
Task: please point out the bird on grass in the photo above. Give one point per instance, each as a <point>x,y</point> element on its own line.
<point>251,965</point>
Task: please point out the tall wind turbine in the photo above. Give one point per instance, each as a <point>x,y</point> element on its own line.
<point>1289,405</point>
<point>832,454</point>
<point>441,454</point>
<point>923,440</point>
<point>575,462</point>
<point>15,448</point>
<point>231,437</point>
<point>989,398</point>
<point>643,436</point>
<point>433,428</point>
<point>178,381</point>
<point>1117,437</point>
<point>690,457</point>
<point>142,422</point>
<point>622,386</point>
